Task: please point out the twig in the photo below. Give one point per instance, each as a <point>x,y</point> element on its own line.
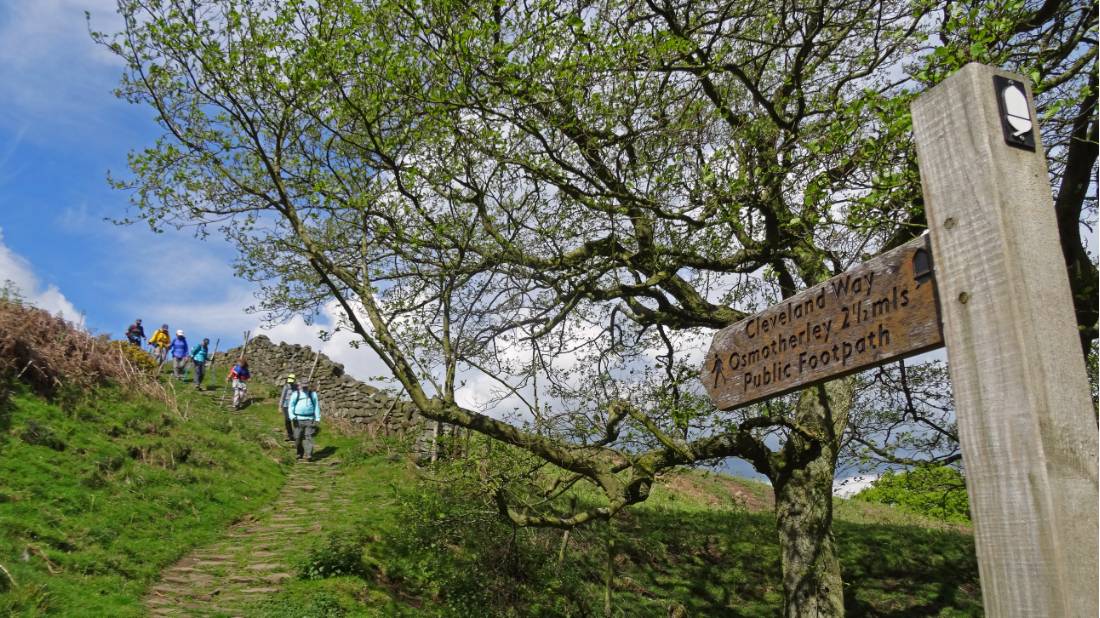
<point>7,581</point>
<point>28,366</point>
<point>50,565</point>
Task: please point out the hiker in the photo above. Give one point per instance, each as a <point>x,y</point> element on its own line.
<point>290,388</point>
<point>239,375</point>
<point>198,356</point>
<point>179,350</point>
<point>306,412</point>
<point>135,333</point>
<point>159,344</point>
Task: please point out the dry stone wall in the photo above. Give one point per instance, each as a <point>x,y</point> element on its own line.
<point>341,395</point>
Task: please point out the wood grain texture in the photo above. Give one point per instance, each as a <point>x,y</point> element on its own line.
<point>871,314</point>
<point>1029,437</point>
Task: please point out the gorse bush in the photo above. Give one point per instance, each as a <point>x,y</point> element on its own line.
<point>139,361</point>
<point>57,359</point>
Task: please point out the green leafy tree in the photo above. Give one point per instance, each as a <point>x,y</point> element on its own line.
<point>934,491</point>
<point>560,199</point>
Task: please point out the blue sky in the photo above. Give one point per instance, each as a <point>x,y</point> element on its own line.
<point>61,131</point>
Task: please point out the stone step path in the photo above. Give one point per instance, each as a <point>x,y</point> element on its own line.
<point>250,561</point>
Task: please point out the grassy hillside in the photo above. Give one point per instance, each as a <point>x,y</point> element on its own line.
<point>702,545</point>
<point>98,496</point>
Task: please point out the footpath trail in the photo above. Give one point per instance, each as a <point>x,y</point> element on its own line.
<point>253,558</point>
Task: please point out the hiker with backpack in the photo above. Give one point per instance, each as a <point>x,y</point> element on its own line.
<point>239,376</point>
<point>159,344</point>
<point>289,388</point>
<point>179,350</point>
<point>135,333</point>
<point>306,413</point>
<point>198,356</point>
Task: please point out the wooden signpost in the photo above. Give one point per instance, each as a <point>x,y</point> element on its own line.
<point>881,310</point>
<point>1026,421</point>
<point>1025,415</point>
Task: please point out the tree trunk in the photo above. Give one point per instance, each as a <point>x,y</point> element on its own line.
<point>609,572</point>
<point>803,486</point>
<point>812,584</point>
<point>434,455</point>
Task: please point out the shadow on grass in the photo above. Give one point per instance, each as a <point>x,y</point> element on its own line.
<point>324,453</point>
<point>727,564</point>
<point>710,563</point>
<point>908,571</point>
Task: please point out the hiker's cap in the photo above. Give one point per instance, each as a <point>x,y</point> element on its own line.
<point>164,326</point>
<point>179,332</point>
<point>290,378</point>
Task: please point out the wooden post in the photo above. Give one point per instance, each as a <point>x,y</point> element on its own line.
<point>1025,415</point>
<point>316,357</point>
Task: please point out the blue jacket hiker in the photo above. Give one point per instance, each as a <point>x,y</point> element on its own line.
<point>305,411</point>
<point>178,349</point>
<point>199,355</point>
<point>239,376</point>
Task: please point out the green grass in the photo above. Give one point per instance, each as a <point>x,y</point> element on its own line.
<point>96,498</point>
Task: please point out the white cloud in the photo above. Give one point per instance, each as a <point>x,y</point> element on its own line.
<point>199,316</point>
<point>360,363</point>
<point>18,270</point>
<point>846,488</point>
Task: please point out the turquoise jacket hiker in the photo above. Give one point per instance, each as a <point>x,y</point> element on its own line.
<point>305,407</point>
<point>198,353</point>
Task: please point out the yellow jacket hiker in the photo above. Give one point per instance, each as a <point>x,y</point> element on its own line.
<point>159,343</point>
<point>160,338</point>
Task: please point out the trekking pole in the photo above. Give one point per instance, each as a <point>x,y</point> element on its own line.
<point>309,379</point>
<point>316,357</point>
<point>225,391</point>
<point>213,356</point>
<point>247,338</point>
<point>244,385</point>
